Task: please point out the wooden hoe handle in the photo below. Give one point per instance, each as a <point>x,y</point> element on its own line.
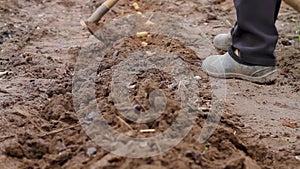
<point>102,10</point>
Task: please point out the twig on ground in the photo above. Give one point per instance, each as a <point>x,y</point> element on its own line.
<point>124,122</point>
<point>5,138</point>
<point>59,130</point>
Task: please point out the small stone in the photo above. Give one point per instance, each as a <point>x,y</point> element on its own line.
<point>141,34</point>
<point>204,109</point>
<point>131,86</point>
<point>144,44</point>
<point>197,78</point>
<point>297,157</point>
<point>292,42</point>
<point>7,35</point>
<point>136,6</point>
<point>116,53</point>
<point>91,151</point>
<point>3,73</point>
<point>92,115</point>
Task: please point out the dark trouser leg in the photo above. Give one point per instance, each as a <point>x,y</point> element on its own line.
<point>255,34</point>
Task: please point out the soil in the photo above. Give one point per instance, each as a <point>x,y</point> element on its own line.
<point>41,42</point>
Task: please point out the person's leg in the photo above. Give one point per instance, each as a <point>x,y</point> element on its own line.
<point>255,35</point>
<point>254,38</point>
<point>224,41</point>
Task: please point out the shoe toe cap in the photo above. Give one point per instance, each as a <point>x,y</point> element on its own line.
<point>210,64</point>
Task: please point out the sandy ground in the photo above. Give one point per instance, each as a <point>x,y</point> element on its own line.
<point>41,43</point>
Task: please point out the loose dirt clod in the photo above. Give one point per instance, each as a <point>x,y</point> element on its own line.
<point>291,124</point>
<point>14,150</point>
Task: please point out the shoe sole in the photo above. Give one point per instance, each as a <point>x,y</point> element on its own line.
<point>265,79</point>
<point>221,47</point>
